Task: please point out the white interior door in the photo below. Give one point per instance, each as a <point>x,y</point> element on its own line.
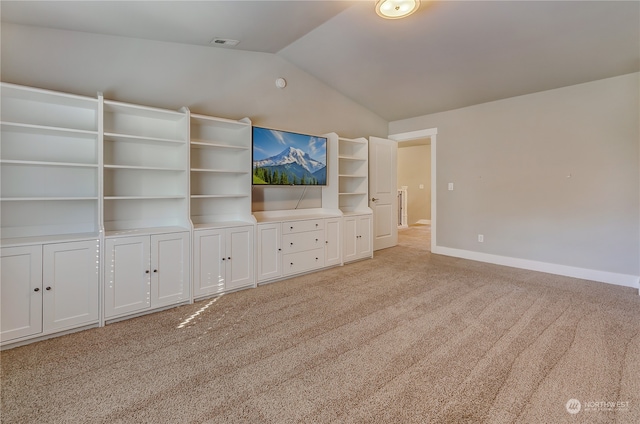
<point>383,191</point>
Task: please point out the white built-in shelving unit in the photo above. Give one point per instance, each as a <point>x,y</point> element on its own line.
<point>50,164</point>
<point>50,215</point>
<point>146,209</point>
<point>353,194</point>
<point>110,210</point>
<point>220,171</point>
<point>353,171</point>
<point>224,228</point>
<point>146,177</point>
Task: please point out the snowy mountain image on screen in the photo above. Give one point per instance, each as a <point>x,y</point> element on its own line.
<point>291,166</point>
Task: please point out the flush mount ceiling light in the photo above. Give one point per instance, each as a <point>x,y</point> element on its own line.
<point>396,9</point>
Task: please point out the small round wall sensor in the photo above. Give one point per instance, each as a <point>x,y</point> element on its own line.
<point>281,83</point>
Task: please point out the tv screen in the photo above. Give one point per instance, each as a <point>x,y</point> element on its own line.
<point>287,158</point>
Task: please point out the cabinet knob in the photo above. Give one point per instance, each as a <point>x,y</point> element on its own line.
<point>326,242</point>
<point>229,258</point>
<point>291,264</point>
<point>316,259</point>
<point>48,288</point>
<point>316,225</point>
<point>291,228</point>
<point>279,250</point>
<point>155,270</point>
<point>146,272</point>
<point>291,244</point>
<point>223,259</point>
<point>37,289</point>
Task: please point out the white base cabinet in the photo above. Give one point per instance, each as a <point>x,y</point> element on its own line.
<point>48,288</point>
<point>357,237</point>
<point>293,247</point>
<point>223,260</point>
<point>145,272</point>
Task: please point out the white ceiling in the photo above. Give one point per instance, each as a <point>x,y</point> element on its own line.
<point>448,55</point>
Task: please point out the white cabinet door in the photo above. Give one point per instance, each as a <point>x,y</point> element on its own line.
<point>332,242</point>
<point>269,252</point>
<point>357,237</point>
<point>21,292</point>
<point>239,257</point>
<point>350,234</point>
<point>208,266</point>
<point>70,281</point>
<point>127,275</point>
<point>364,236</point>
<point>169,268</point>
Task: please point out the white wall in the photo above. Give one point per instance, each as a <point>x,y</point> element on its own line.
<point>551,177</point>
<point>209,80</point>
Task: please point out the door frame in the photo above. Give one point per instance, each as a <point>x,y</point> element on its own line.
<point>432,134</point>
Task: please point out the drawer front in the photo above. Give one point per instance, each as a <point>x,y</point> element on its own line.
<point>295,263</point>
<point>300,242</point>
<point>301,226</point>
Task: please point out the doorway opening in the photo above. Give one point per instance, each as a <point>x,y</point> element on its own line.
<point>416,179</point>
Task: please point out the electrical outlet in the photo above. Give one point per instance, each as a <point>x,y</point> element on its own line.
<point>480,238</point>
<point>450,186</point>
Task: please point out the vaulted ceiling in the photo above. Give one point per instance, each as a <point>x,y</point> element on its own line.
<point>448,55</point>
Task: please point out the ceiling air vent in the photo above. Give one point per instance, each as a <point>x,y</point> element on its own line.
<point>224,42</point>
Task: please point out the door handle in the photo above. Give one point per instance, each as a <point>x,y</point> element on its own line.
<point>373,199</point>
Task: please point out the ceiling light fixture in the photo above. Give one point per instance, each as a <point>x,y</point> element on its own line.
<point>396,9</point>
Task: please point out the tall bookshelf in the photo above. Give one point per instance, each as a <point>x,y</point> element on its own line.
<point>220,171</point>
<point>50,160</point>
<point>146,178</point>
<point>353,175</point>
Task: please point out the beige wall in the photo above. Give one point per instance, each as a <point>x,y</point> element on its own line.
<point>414,169</point>
<point>552,177</point>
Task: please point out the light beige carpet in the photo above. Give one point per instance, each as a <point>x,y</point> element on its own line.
<point>408,337</point>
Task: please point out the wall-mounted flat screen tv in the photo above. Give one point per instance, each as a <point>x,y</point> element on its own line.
<point>288,159</point>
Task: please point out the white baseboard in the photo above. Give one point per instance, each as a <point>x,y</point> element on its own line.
<point>424,221</point>
<point>567,271</point>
